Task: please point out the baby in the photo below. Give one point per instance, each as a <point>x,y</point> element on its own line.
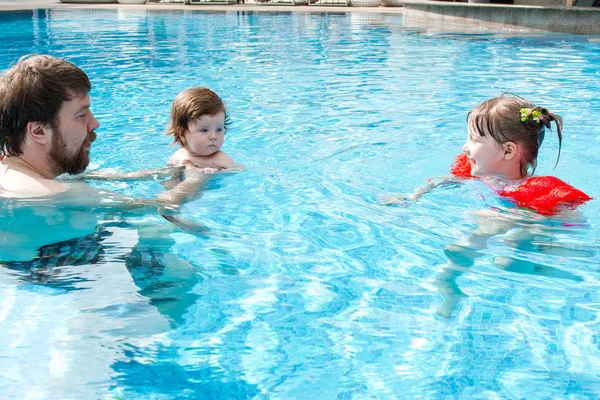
<point>198,124</point>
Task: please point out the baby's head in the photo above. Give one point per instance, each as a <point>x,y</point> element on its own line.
<point>514,124</point>
<point>198,121</point>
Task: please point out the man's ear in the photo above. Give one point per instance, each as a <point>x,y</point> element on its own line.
<point>510,150</point>
<point>38,132</point>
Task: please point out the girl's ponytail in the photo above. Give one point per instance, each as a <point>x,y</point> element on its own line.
<point>546,118</point>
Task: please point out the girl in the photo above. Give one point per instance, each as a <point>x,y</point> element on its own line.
<point>504,136</point>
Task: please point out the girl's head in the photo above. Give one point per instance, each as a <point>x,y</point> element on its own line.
<point>505,134</point>
<point>199,120</point>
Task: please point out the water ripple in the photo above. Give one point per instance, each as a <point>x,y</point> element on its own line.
<point>304,286</point>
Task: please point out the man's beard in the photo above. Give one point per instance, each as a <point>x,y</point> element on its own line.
<point>63,162</point>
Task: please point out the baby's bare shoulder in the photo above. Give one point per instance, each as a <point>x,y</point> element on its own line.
<point>178,158</point>
<point>222,159</point>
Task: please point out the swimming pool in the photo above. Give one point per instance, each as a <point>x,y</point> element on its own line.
<point>304,287</point>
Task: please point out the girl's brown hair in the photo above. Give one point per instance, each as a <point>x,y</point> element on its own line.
<point>500,118</point>
<point>192,104</point>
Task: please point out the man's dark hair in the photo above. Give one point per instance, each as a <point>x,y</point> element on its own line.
<point>33,90</point>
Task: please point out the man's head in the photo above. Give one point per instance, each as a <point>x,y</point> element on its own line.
<point>44,106</point>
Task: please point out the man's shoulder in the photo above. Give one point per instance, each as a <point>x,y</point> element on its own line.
<point>15,183</point>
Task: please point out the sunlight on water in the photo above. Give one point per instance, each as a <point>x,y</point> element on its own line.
<point>303,286</point>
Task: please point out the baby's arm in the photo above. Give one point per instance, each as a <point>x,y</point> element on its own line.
<point>406,199</point>
<point>221,170</point>
<point>110,174</point>
<point>221,163</point>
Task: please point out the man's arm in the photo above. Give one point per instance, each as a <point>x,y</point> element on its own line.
<point>185,191</point>
<point>115,175</point>
<point>84,196</point>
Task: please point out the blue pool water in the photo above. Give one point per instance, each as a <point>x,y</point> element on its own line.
<point>305,287</point>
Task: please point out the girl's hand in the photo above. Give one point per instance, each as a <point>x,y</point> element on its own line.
<point>401,199</point>
<point>407,199</point>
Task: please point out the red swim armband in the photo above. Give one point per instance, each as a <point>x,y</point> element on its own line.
<point>461,167</point>
<point>545,195</point>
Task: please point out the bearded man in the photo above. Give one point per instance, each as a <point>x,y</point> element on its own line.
<point>46,126</point>
<point>46,130</point>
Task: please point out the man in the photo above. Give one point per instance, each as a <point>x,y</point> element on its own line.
<point>46,130</point>
<point>46,126</point>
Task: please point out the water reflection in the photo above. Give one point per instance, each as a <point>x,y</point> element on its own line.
<point>85,284</point>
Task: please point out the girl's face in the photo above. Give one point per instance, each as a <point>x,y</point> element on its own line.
<point>485,154</point>
<point>204,136</point>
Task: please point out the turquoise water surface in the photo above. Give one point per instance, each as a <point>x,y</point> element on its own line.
<point>305,287</point>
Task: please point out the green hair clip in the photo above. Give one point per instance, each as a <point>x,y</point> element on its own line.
<point>527,114</point>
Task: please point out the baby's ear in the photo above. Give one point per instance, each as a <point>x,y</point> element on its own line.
<point>510,150</point>
<point>180,134</point>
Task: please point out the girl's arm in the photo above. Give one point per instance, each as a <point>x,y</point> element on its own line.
<point>406,199</point>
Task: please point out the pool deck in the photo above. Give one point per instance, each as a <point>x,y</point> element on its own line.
<point>499,17</point>
<point>7,5</point>
<point>442,15</point>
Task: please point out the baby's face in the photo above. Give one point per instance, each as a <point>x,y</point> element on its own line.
<point>204,136</point>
